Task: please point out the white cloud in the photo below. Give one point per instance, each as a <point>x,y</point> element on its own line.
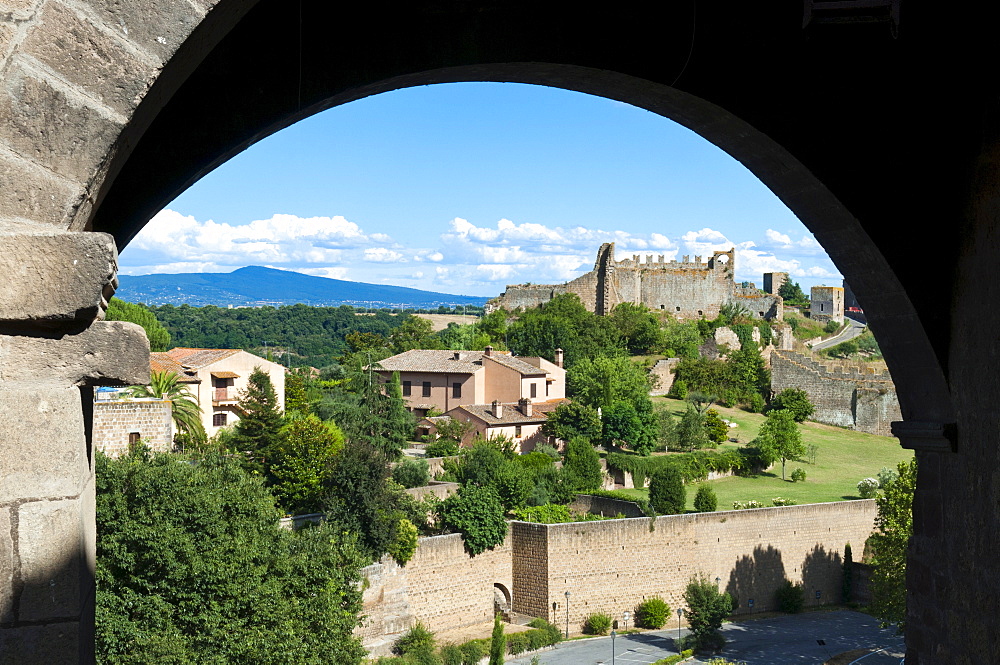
<point>333,272</point>
<point>778,238</point>
<point>383,255</point>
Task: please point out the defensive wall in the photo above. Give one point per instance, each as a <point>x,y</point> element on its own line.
<point>613,565</point>
<point>687,289</point>
<point>861,398</point>
<point>117,421</point>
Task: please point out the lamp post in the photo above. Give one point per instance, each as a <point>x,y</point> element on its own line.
<point>680,613</point>
<point>613,634</point>
<point>567,615</point>
<point>625,617</point>
<point>717,581</point>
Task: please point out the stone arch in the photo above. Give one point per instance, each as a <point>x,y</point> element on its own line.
<point>110,109</point>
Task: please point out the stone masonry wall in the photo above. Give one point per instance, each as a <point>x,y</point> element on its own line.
<point>842,395</point>
<point>663,373</point>
<point>115,420</point>
<point>612,565</point>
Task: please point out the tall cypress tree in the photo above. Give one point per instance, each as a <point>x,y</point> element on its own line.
<point>258,431</point>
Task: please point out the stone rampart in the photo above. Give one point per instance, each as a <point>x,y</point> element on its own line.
<point>663,374</point>
<point>613,565</point>
<point>116,420</point>
<point>860,398</point>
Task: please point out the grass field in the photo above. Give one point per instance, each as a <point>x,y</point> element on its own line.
<point>844,458</point>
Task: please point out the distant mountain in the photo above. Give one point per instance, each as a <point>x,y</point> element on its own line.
<point>254,286</point>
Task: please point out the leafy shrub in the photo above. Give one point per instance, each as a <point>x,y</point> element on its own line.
<point>411,473</point>
<point>798,475</point>
<point>451,654</point>
<point>673,660</point>
<point>441,448</point>
<point>549,451</point>
<point>666,492</point>
<point>652,613</point>
<point>705,500</point>
<point>868,488</point>
<point>831,327</point>
<point>744,505</point>
<point>715,427</point>
<point>790,597</point>
<point>887,477</point>
<point>778,501</point>
<point>597,624</point>
<point>794,400</point>
<point>517,643</point>
<point>475,512</point>
<point>416,639</point>
<point>550,513</point>
<point>549,633</point>
<point>472,652</point>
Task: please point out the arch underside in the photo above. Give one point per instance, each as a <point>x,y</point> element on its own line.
<point>835,118</point>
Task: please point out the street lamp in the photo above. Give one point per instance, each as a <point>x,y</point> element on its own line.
<point>613,634</point>
<point>625,617</point>
<point>567,615</point>
<point>717,581</point>
<point>680,613</point>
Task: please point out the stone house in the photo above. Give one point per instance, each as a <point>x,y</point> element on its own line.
<point>445,380</point>
<point>215,378</point>
<point>120,421</point>
<point>521,422</point>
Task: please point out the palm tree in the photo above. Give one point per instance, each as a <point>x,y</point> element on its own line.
<point>184,409</point>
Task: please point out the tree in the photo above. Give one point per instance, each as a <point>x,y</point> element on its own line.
<point>475,512</point>
<point>666,491</point>
<point>602,381</point>
<point>625,426</point>
<point>411,472</point>
<point>184,410</point>
<point>792,293</point>
<point>296,398</point>
<point>707,609</point>
<point>779,438</point>
<point>690,433</point>
<point>705,500</point>
<point>582,467</point>
<point>258,432</point>
<point>486,465</point>
<point>715,427</point>
<point>795,401</point>
<point>889,543</point>
<point>302,461</point>
<point>571,420</point>
<point>638,327</point>
<point>119,310</point>
<point>498,642</point>
<point>191,568</point>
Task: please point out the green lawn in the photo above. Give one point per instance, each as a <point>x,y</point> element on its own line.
<point>844,458</point>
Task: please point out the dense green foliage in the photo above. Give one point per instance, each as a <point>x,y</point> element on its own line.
<point>652,613</point>
<point>666,492</point>
<point>893,529</point>
<point>705,500</point>
<point>498,644</point>
<point>692,466</point>
<point>792,294</point>
<point>310,335</point>
<point>192,569</point>
<point>302,461</point>
<point>411,473</point>
<point>597,623</point>
<point>793,400</point>
<point>571,420</point>
<point>119,310</point>
<point>790,598</point>
<point>258,433</point>
<point>476,512</point>
<point>564,323</point>
<point>582,465</point>
<point>707,609</point>
<point>740,379</point>
<point>603,381</point>
<point>369,411</point>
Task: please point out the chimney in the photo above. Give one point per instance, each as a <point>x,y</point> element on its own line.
<point>497,409</point>
<point>488,351</point>
<point>559,357</point>
<point>525,405</point>
<point>458,355</point>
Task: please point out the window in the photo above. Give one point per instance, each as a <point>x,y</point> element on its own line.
<point>534,390</point>
<point>456,389</point>
<point>218,420</point>
<point>407,388</point>
<point>546,388</point>
<point>426,389</point>
<point>133,438</point>
<point>517,431</point>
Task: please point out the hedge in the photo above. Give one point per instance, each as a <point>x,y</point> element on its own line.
<point>693,467</point>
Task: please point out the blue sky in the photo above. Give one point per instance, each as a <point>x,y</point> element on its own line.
<point>465,188</point>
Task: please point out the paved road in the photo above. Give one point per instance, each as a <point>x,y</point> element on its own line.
<point>785,640</point>
<point>850,332</point>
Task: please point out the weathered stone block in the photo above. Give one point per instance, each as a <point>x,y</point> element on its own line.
<point>106,353</point>
<point>89,57</point>
<point>52,129</point>
<point>6,568</point>
<point>55,277</point>
<point>52,644</point>
<point>32,193</point>
<point>51,547</point>
<point>158,27</point>
<point>42,449</point>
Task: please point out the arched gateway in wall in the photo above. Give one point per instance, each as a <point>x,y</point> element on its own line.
<point>110,109</point>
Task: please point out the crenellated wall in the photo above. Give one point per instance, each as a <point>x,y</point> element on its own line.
<point>863,399</point>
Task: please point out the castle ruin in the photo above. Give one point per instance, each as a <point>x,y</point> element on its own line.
<point>687,289</point>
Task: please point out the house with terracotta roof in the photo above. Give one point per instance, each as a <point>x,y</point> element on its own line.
<point>521,422</point>
<point>216,377</point>
<point>444,380</point>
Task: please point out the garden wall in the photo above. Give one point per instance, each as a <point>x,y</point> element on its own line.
<point>612,565</point>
